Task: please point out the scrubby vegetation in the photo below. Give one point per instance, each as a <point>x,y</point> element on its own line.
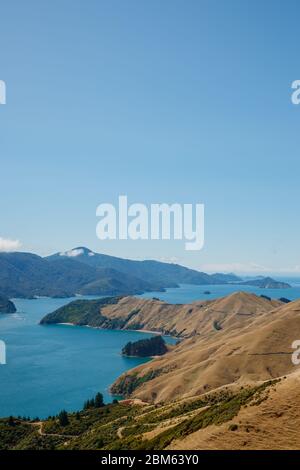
<point>217,325</point>
<point>128,383</point>
<point>88,313</point>
<point>218,413</point>
<point>125,425</point>
<point>266,297</point>
<point>81,312</point>
<point>285,300</point>
<point>12,432</point>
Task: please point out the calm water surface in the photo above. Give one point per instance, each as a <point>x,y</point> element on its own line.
<point>189,293</point>
<point>58,366</point>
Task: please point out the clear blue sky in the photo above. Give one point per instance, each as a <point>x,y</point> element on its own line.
<point>165,101</point>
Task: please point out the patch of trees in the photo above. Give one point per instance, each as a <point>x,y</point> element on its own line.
<point>96,402</point>
<point>154,346</point>
<point>284,300</point>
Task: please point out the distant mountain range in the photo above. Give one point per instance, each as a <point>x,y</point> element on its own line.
<point>81,271</point>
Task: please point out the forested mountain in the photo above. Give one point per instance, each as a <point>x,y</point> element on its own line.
<point>81,271</point>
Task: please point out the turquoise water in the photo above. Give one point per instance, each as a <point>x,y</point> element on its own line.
<point>189,293</point>
<point>54,367</point>
<point>59,366</point>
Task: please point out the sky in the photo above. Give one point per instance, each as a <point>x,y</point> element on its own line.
<point>174,101</point>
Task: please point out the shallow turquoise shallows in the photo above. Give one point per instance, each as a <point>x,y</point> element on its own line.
<point>54,367</point>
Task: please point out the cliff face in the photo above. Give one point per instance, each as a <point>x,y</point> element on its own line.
<point>6,306</point>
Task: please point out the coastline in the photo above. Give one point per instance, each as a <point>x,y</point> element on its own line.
<point>116,329</point>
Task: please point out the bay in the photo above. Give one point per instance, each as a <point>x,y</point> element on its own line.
<point>55,367</point>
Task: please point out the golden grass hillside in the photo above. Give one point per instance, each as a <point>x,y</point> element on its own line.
<point>271,423</point>
<point>190,319</point>
<point>240,339</point>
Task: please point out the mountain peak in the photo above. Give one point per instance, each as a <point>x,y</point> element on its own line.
<point>78,251</point>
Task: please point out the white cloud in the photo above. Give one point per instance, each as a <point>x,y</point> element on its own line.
<point>72,253</point>
<point>169,259</point>
<point>9,245</point>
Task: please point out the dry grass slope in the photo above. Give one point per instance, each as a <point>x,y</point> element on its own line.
<point>271,424</point>
<point>253,343</point>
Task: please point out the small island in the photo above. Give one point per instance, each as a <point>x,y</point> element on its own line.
<point>149,347</point>
<point>6,306</point>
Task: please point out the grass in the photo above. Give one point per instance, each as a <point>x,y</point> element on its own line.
<point>125,427</point>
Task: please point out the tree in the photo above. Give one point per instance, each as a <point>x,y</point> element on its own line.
<point>11,421</point>
<point>99,400</point>
<point>63,418</point>
<point>96,402</point>
<point>92,403</point>
<point>154,346</point>
<point>100,443</point>
<point>87,405</point>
